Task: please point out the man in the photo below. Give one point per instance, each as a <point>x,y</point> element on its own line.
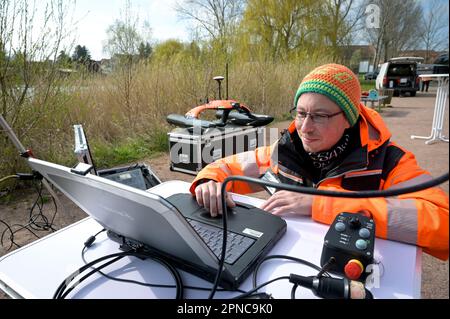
<point>425,84</point>
<point>335,143</point>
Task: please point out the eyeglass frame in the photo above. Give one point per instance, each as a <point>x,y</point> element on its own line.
<point>312,115</point>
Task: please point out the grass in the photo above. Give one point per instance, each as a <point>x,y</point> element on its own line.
<point>366,85</point>
<point>125,116</point>
<point>108,155</point>
<point>14,192</point>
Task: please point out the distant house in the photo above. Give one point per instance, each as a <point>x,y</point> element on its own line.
<point>107,66</point>
<point>353,55</point>
<point>93,66</point>
<point>66,72</point>
<point>366,52</point>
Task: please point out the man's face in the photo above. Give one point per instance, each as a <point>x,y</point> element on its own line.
<point>323,133</point>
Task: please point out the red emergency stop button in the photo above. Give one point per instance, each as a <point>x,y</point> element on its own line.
<point>353,269</point>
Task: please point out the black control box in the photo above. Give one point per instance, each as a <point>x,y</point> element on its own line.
<point>351,241</point>
<point>138,176</point>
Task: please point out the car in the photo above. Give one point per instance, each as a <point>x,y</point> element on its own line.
<point>432,69</point>
<point>371,75</point>
<point>442,59</point>
<point>399,74</point>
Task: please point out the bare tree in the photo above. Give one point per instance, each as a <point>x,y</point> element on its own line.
<point>124,36</point>
<point>399,28</point>
<point>341,18</point>
<point>434,26</point>
<point>123,43</point>
<point>219,19</point>
<point>31,36</point>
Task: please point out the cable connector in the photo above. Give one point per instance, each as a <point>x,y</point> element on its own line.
<point>88,243</point>
<point>301,280</point>
<point>29,176</point>
<point>328,265</point>
<point>28,153</point>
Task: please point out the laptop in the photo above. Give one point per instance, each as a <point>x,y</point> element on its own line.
<point>167,221</point>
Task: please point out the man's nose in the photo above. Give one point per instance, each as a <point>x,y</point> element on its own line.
<point>307,125</point>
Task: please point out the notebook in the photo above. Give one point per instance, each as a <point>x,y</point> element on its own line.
<point>167,221</point>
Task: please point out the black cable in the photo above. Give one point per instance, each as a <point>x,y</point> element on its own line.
<point>295,259</point>
<point>250,292</point>
<point>33,224</point>
<point>64,295</point>
<point>69,278</point>
<point>359,194</point>
<point>3,233</point>
<point>59,293</point>
<point>311,191</point>
<point>91,240</point>
<point>40,207</point>
<point>326,266</point>
<point>293,290</point>
<point>127,280</point>
<point>45,225</point>
<point>224,246</point>
<point>150,285</point>
<point>322,270</point>
<point>12,233</point>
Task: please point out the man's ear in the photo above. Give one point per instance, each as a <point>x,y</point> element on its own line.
<point>347,124</point>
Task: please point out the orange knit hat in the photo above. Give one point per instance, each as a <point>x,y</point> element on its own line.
<point>336,82</point>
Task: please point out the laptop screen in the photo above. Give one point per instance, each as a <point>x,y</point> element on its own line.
<point>169,229</point>
<point>130,212</point>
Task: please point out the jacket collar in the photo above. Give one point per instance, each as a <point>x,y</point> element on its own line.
<point>373,130</point>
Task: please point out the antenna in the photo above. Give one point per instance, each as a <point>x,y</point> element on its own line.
<point>82,149</point>
<point>226,77</point>
<point>219,79</point>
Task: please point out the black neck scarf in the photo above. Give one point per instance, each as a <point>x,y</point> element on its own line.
<point>325,158</point>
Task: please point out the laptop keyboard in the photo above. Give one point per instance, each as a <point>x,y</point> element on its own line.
<point>212,236</point>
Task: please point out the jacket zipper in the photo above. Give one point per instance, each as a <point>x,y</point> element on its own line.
<point>315,185</point>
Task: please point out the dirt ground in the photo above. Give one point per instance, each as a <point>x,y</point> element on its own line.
<point>407,116</point>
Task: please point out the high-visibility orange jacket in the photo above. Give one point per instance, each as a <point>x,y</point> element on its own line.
<point>419,218</point>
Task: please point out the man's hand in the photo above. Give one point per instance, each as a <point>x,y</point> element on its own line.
<point>283,202</point>
<point>209,195</point>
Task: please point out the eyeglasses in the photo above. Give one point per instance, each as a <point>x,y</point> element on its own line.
<point>316,118</point>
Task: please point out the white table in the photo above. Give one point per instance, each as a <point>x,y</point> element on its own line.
<point>36,270</point>
<point>439,109</point>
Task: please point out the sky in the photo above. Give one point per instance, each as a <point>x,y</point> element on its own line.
<point>90,19</point>
<point>93,17</point>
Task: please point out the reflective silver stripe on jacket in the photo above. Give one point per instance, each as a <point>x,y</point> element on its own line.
<point>402,220</point>
<point>249,167</point>
<point>402,213</point>
<point>286,172</point>
<point>223,167</point>
<point>248,163</point>
<point>411,182</point>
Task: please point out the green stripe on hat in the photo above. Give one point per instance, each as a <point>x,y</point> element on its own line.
<point>332,92</point>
